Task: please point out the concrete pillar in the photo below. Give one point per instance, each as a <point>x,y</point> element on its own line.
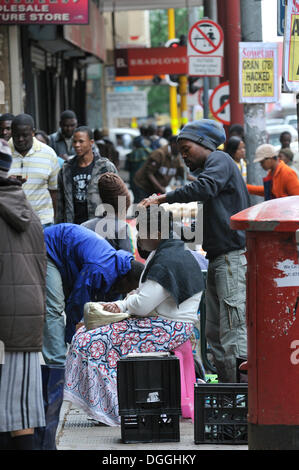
<point>15,68</point>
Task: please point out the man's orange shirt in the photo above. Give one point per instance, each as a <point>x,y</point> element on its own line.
<point>285,182</point>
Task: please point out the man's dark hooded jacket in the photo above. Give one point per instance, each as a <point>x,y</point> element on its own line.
<point>23,264</point>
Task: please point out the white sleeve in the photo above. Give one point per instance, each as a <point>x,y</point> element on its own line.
<point>150,295</point>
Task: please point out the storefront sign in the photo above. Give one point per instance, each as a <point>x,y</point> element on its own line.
<point>150,61</point>
<point>44,12</point>
<point>127,105</point>
<point>89,38</point>
<point>258,72</point>
<point>290,71</point>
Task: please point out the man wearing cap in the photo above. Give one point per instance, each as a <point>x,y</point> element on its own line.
<point>221,189</point>
<point>281,180</point>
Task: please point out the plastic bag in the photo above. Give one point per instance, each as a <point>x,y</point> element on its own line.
<point>95,316</point>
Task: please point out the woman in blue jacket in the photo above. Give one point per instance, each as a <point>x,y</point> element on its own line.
<point>82,267</point>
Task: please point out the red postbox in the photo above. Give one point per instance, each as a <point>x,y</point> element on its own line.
<point>272,322</point>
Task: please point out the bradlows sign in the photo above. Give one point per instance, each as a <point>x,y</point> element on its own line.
<point>44,12</point>
<point>141,61</point>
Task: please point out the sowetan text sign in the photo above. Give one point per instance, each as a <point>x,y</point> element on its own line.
<point>258,72</point>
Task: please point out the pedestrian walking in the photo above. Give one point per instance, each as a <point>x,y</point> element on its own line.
<point>22,307</point>
<point>36,164</point>
<point>105,145</point>
<point>235,147</point>
<point>135,160</point>
<point>160,167</point>
<point>223,192</point>
<point>5,126</point>
<point>287,156</point>
<point>78,195</point>
<point>62,140</point>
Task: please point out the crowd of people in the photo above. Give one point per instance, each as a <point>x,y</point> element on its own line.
<point>66,244</point>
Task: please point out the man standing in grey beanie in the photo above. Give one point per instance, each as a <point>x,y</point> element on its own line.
<point>221,189</point>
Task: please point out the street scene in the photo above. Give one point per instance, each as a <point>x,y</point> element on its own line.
<point>149,220</point>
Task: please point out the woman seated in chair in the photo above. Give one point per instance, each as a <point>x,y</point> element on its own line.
<point>162,314</point>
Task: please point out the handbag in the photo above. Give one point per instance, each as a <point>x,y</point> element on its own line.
<point>95,316</point>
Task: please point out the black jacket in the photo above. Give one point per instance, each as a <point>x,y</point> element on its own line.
<point>221,189</point>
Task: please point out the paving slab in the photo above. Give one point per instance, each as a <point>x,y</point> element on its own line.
<point>77,432</point>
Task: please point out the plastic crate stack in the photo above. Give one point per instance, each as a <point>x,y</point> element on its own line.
<point>220,412</point>
<point>149,397</point>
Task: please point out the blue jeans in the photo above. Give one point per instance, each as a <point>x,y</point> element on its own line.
<point>54,346</point>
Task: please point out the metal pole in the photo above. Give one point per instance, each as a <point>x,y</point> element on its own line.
<point>254,114</point>
<point>184,99</point>
<point>211,12</point>
<point>172,89</point>
<point>206,108</point>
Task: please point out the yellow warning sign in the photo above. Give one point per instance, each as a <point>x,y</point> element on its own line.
<point>258,77</point>
<point>293,68</point>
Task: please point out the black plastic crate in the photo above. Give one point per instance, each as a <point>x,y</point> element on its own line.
<point>220,413</point>
<point>150,428</point>
<point>149,385</point>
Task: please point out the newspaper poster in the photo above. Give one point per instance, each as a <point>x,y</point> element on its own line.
<point>258,72</point>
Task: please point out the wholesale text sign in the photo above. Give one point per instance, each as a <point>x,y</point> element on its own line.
<point>290,70</point>
<point>44,12</point>
<point>258,72</point>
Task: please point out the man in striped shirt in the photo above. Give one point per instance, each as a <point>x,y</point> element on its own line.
<point>36,165</point>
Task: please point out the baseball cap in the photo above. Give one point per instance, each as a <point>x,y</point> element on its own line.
<point>265,151</point>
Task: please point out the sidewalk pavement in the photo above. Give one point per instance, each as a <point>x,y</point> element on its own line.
<point>77,432</point>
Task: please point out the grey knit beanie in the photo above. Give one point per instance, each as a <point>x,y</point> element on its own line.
<point>206,132</point>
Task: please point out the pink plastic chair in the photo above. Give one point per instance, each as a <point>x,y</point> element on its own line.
<point>188,378</point>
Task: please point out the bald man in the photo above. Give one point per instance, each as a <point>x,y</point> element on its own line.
<point>36,165</point>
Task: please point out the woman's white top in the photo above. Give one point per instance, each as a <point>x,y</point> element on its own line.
<point>151,299</point>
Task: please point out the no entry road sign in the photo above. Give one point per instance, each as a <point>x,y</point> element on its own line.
<point>205,38</point>
<point>220,103</point>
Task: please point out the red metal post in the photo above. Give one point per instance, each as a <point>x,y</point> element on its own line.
<point>229,18</point>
